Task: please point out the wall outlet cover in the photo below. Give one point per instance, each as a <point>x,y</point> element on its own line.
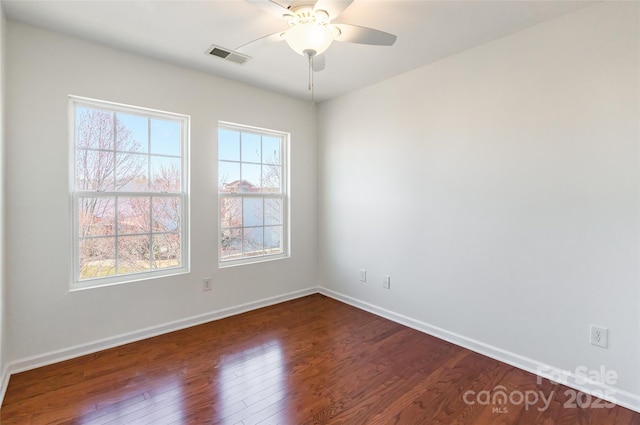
<point>599,336</point>
<point>386,282</point>
<point>206,284</point>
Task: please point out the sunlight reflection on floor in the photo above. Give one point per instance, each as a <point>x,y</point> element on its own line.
<point>161,404</point>
<point>251,381</point>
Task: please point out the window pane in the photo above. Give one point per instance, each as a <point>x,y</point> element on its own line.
<point>132,172</point>
<point>94,128</point>
<point>94,170</point>
<point>166,214</point>
<point>251,149</point>
<point>132,133</point>
<point>228,176</point>
<point>97,257</point>
<point>228,145</point>
<point>231,212</point>
<point>165,137</point>
<point>166,251</point>
<point>272,211</point>
<point>252,212</point>
<point>231,244</point>
<point>273,239</point>
<point>134,215</point>
<point>96,217</point>
<point>165,174</point>
<point>250,178</point>
<point>252,241</point>
<point>271,182</point>
<point>133,254</point>
<point>271,150</point>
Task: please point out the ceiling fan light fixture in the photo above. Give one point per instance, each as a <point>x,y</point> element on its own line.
<point>309,37</point>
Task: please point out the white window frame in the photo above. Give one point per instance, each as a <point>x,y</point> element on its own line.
<point>283,196</point>
<point>75,195</point>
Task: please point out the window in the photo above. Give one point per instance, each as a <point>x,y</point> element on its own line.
<point>252,194</point>
<point>129,192</point>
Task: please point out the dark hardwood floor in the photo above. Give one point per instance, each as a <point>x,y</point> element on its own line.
<point>309,361</point>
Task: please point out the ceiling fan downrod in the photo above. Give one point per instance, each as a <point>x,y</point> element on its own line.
<point>310,54</point>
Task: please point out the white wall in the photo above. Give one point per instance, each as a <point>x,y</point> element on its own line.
<point>43,69</point>
<point>500,190</point>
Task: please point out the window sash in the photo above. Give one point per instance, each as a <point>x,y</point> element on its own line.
<point>117,235</point>
<point>243,256</point>
<point>280,194</point>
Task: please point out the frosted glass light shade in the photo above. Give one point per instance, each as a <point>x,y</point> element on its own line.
<point>310,36</point>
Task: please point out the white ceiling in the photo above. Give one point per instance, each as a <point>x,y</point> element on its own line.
<point>182,31</point>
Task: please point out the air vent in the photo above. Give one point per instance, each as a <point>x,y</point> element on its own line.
<point>228,54</point>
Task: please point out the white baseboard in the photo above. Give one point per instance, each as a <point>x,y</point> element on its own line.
<point>570,379</point>
<point>103,344</point>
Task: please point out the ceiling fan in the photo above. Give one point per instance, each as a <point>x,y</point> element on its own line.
<point>312,30</point>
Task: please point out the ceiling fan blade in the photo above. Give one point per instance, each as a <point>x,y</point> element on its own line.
<point>262,41</point>
<point>318,63</point>
<point>333,7</point>
<point>276,8</point>
<point>364,35</point>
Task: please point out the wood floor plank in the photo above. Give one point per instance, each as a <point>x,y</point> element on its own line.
<point>308,361</point>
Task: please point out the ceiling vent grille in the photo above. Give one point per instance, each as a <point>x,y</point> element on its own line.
<point>228,54</point>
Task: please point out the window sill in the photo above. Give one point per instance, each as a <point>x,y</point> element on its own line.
<point>110,281</point>
<point>248,261</point>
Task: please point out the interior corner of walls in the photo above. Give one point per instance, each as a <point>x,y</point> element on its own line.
<point>4,368</point>
<point>5,375</point>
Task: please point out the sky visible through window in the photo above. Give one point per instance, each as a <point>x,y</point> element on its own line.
<point>252,149</point>
<point>164,141</point>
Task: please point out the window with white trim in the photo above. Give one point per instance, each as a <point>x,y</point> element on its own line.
<point>129,192</point>
<point>252,194</point>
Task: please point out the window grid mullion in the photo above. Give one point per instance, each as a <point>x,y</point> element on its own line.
<point>149,154</point>
<point>150,233</point>
<point>261,178</point>
<point>115,157</point>
<point>116,231</point>
<point>263,225</point>
<point>241,217</point>
<point>116,242</point>
<point>241,176</point>
<point>104,194</point>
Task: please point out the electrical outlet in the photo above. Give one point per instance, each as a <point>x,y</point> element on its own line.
<point>386,281</point>
<point>206,284</point>
<point>599,336</point>
<point>363,275</point>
